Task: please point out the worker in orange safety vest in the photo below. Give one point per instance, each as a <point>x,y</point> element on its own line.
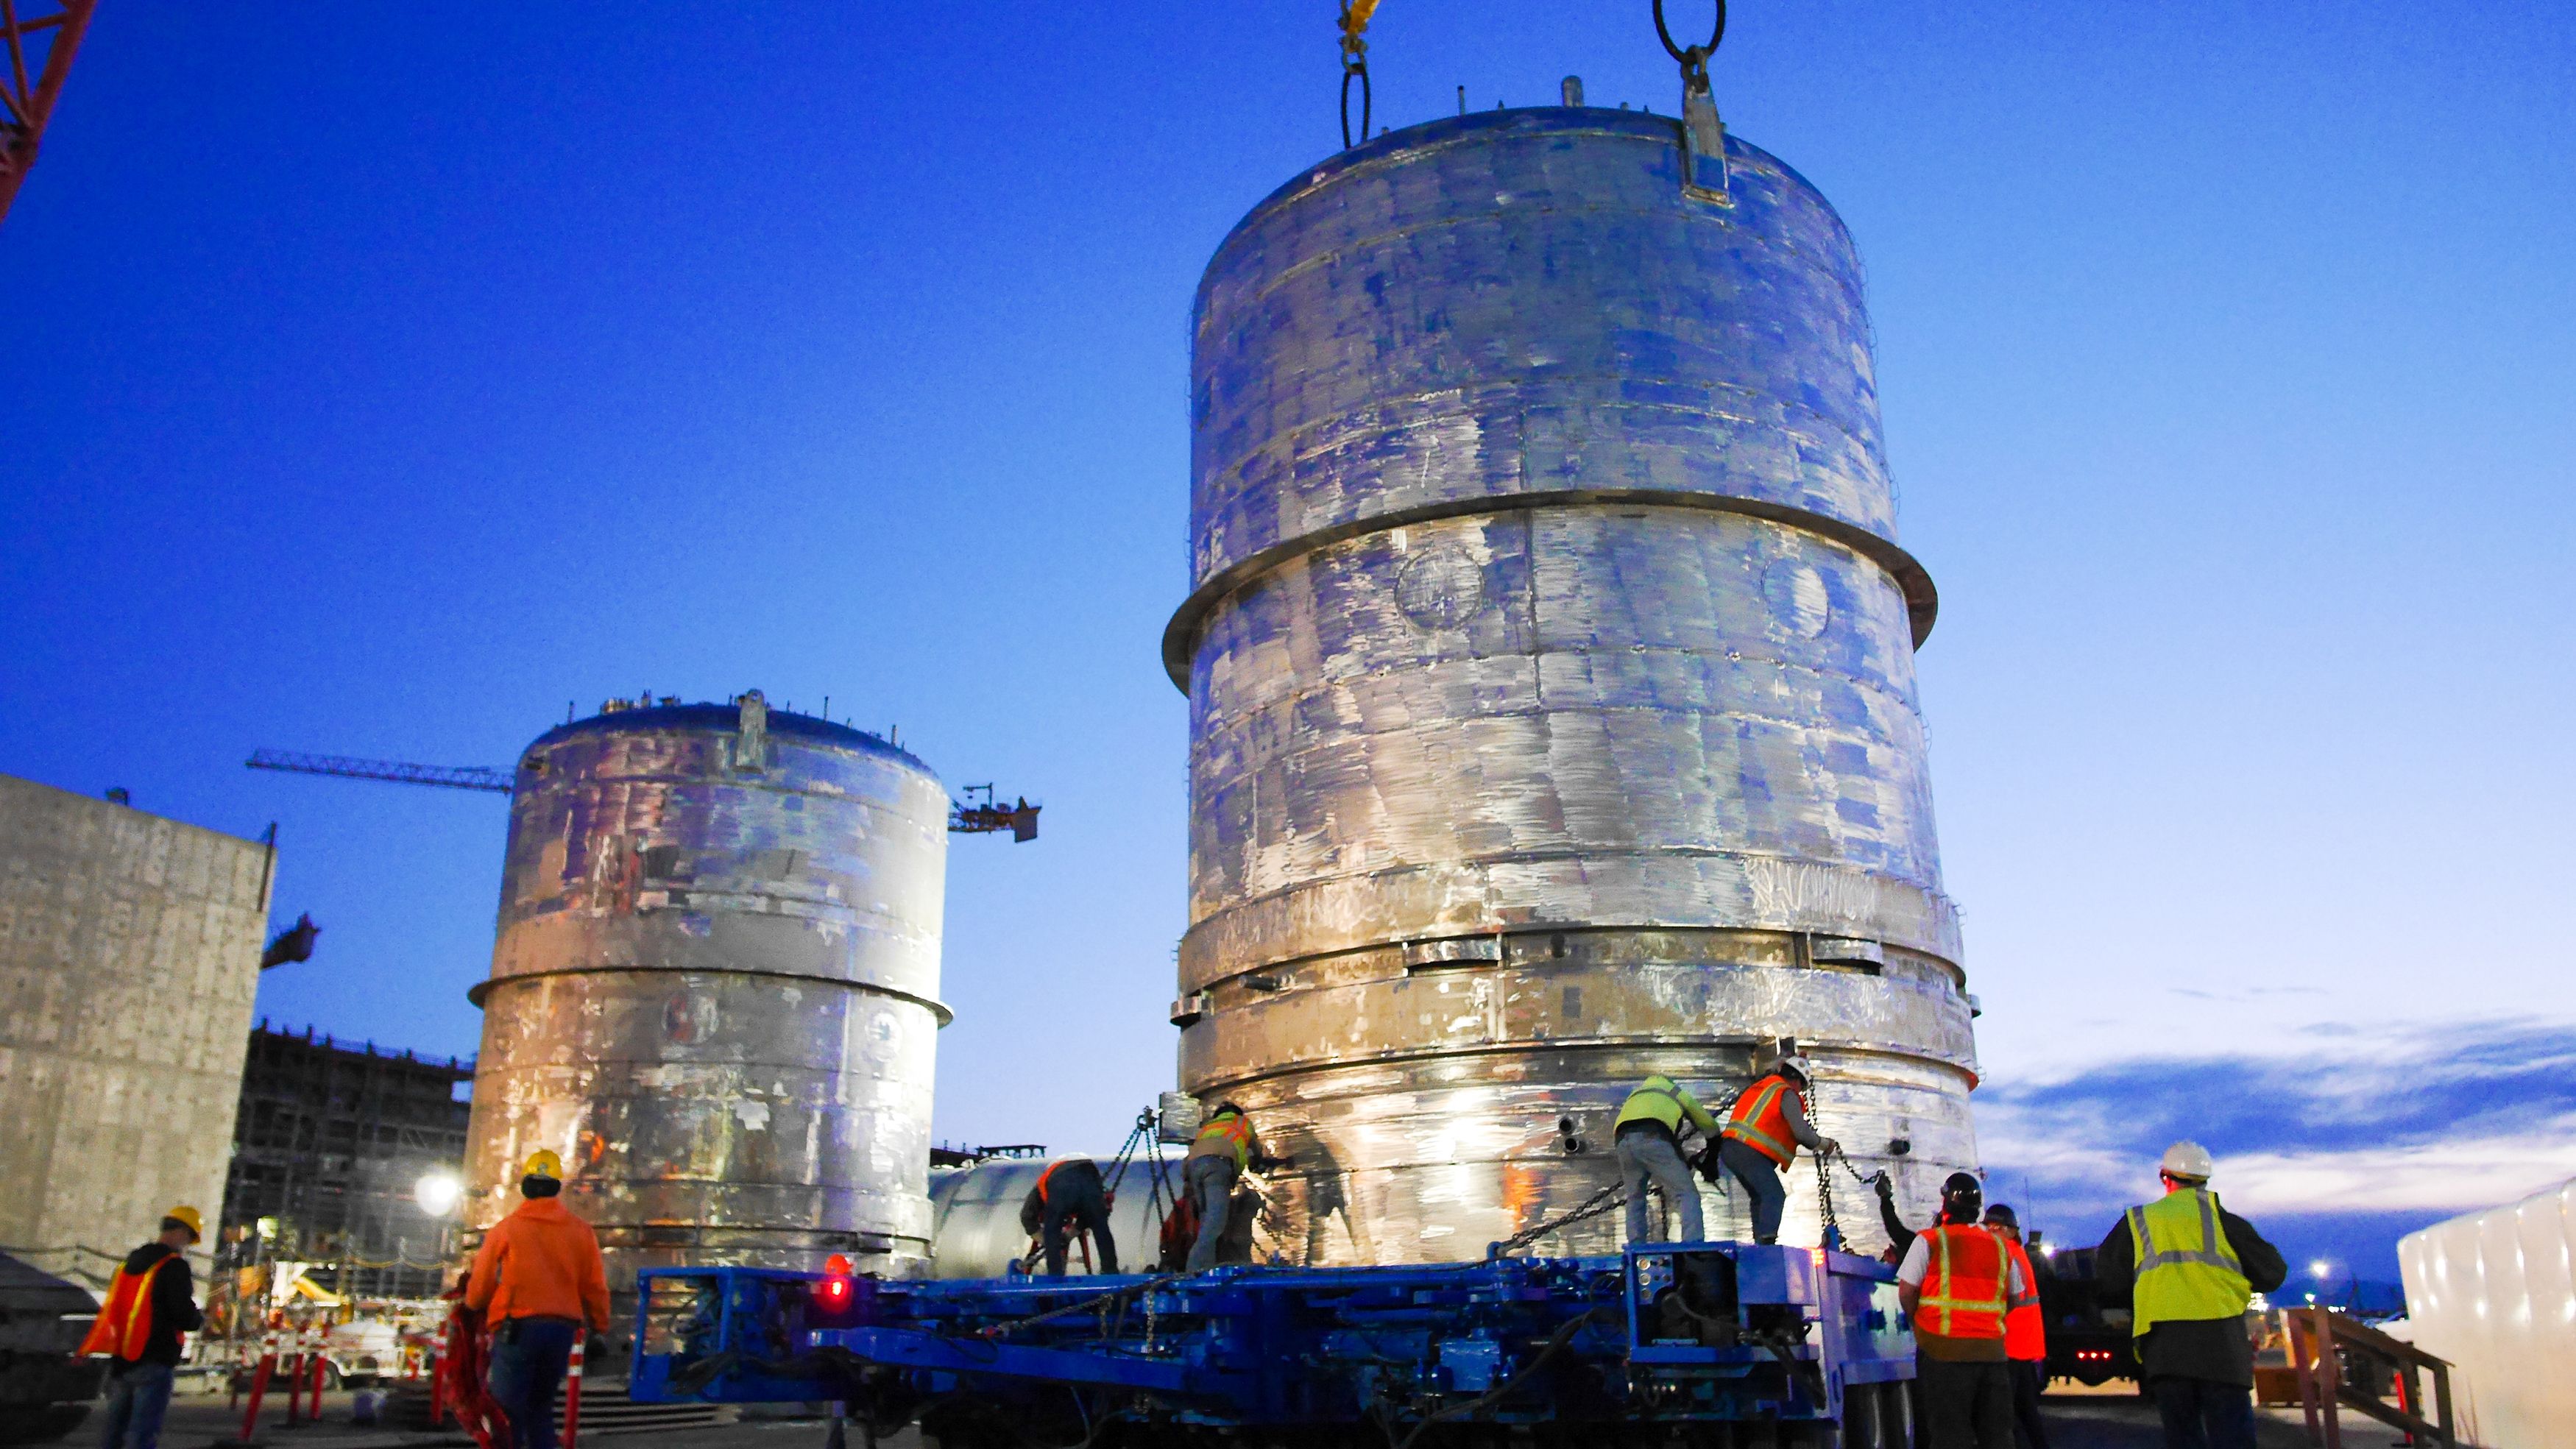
<point>1763,1133</point>
<point>1070,1196</point>
<point>150,1303</point>
<point>539,1282</point>
<point>2025,1332</point>
<point>1958,1283</point>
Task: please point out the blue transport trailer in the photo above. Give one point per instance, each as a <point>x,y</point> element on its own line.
<point>1701,1344</point>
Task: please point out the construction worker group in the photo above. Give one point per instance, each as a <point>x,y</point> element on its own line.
<point>1966,1282</point>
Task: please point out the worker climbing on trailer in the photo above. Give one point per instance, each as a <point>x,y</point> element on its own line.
<point>1763,1133</point>
<point>2196,1267</point>
<point>1647,1141</point>
<point>1959,1283</point>
<point>149,1304</point>
<point>1070,1197</point>
<point>1223,1151</point>
<point>538,1280</point>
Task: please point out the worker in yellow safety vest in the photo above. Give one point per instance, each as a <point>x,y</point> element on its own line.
<point>1224,1149</point>
<point>150,1303</point>
<point>2192,1267</point>
<point>1764,1131</point>
<point>1647,1141</point>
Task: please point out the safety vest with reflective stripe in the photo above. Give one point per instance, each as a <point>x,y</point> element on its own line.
<point>1761,1122</point>
<point>1963,1286</point>
<point>124,1323</point>
<point>1661,1100</point>
<point>2187,1270</point>
<point>1234,1130</point>
<point>2025,1325</point>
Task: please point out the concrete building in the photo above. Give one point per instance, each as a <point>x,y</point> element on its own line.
<point>129,956</point>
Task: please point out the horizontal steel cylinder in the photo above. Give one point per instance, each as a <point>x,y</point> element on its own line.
<point>715,988</point>
<point>1550,662</point>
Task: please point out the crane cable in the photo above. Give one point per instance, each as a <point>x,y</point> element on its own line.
<point>1694,59</point>
<point>1354,28</point>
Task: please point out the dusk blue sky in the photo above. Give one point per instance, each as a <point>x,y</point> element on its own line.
<point>384,379</point>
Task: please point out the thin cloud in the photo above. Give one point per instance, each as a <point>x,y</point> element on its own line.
<point>2423,1119</point>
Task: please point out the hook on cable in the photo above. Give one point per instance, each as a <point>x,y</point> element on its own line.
<point>1354,28</point>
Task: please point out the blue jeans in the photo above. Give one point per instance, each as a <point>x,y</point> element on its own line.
<point>2202,1414</point>
<point>138,1395</point>
<point>529,1356</point>
<point>1645,1157</point>
<point>1761,1179</point>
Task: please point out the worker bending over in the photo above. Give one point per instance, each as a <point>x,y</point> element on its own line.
<point>1958,1284</point>
<point>1224,1149</point>
<point>1070,1197</point>
<point>539,1284</point>
<point>2195,1267</point>
<point>150,1303</point>
<point>1647,1141</point>
<point>1763,1134</point>
<point>2025,1331</point>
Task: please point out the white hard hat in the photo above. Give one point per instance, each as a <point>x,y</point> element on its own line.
<point>2189,1160</point>
<point>1805,1069</point>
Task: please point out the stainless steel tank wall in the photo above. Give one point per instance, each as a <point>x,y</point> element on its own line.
<point>1550,662</point>
<point>129,959</point>
<point>715,989</point>
<point>975,1213</point>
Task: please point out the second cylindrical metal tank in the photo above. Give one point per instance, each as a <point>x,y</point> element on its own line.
<point>1550,664</point>
<point>715,988</point>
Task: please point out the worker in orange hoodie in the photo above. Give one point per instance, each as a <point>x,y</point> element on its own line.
<point>539,1284</point>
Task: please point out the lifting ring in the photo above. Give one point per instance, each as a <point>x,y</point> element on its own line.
<point>1695,59</point>
<point>1349,70</point>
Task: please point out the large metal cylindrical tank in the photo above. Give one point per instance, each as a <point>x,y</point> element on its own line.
<point>715,988</point>
<point>1552,699</point>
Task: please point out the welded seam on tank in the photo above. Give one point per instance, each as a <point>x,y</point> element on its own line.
<point>1206,1086</point>
<point>475,993</point>
<point>1526,388</point>
<point>1180,637</point>
<point>1208,747</point>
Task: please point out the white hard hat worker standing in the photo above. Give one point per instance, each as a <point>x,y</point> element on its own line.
<point>1763,1132</point>
<point>2192,1267</point>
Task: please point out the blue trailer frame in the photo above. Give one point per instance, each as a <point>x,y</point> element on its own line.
<point>1731,1342</point>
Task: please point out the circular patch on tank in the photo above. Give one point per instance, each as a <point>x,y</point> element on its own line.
<point>1797,597</point>
<point>885,1034</point>
<point>688,1017</point>
<point>1441,588</point>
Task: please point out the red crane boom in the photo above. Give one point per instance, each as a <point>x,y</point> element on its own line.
<point>39,49</point>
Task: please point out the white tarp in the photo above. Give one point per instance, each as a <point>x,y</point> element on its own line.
<point>2495,1293</point>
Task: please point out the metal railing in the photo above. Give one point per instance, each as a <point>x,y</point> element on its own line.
<point>2342,1363</point>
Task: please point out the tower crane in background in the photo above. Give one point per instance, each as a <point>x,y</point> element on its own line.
<point>968,817</point>
<point>39,49</point>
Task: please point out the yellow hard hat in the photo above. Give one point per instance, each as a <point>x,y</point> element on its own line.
<point>543,1163</point>
<point>195,1220</point>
